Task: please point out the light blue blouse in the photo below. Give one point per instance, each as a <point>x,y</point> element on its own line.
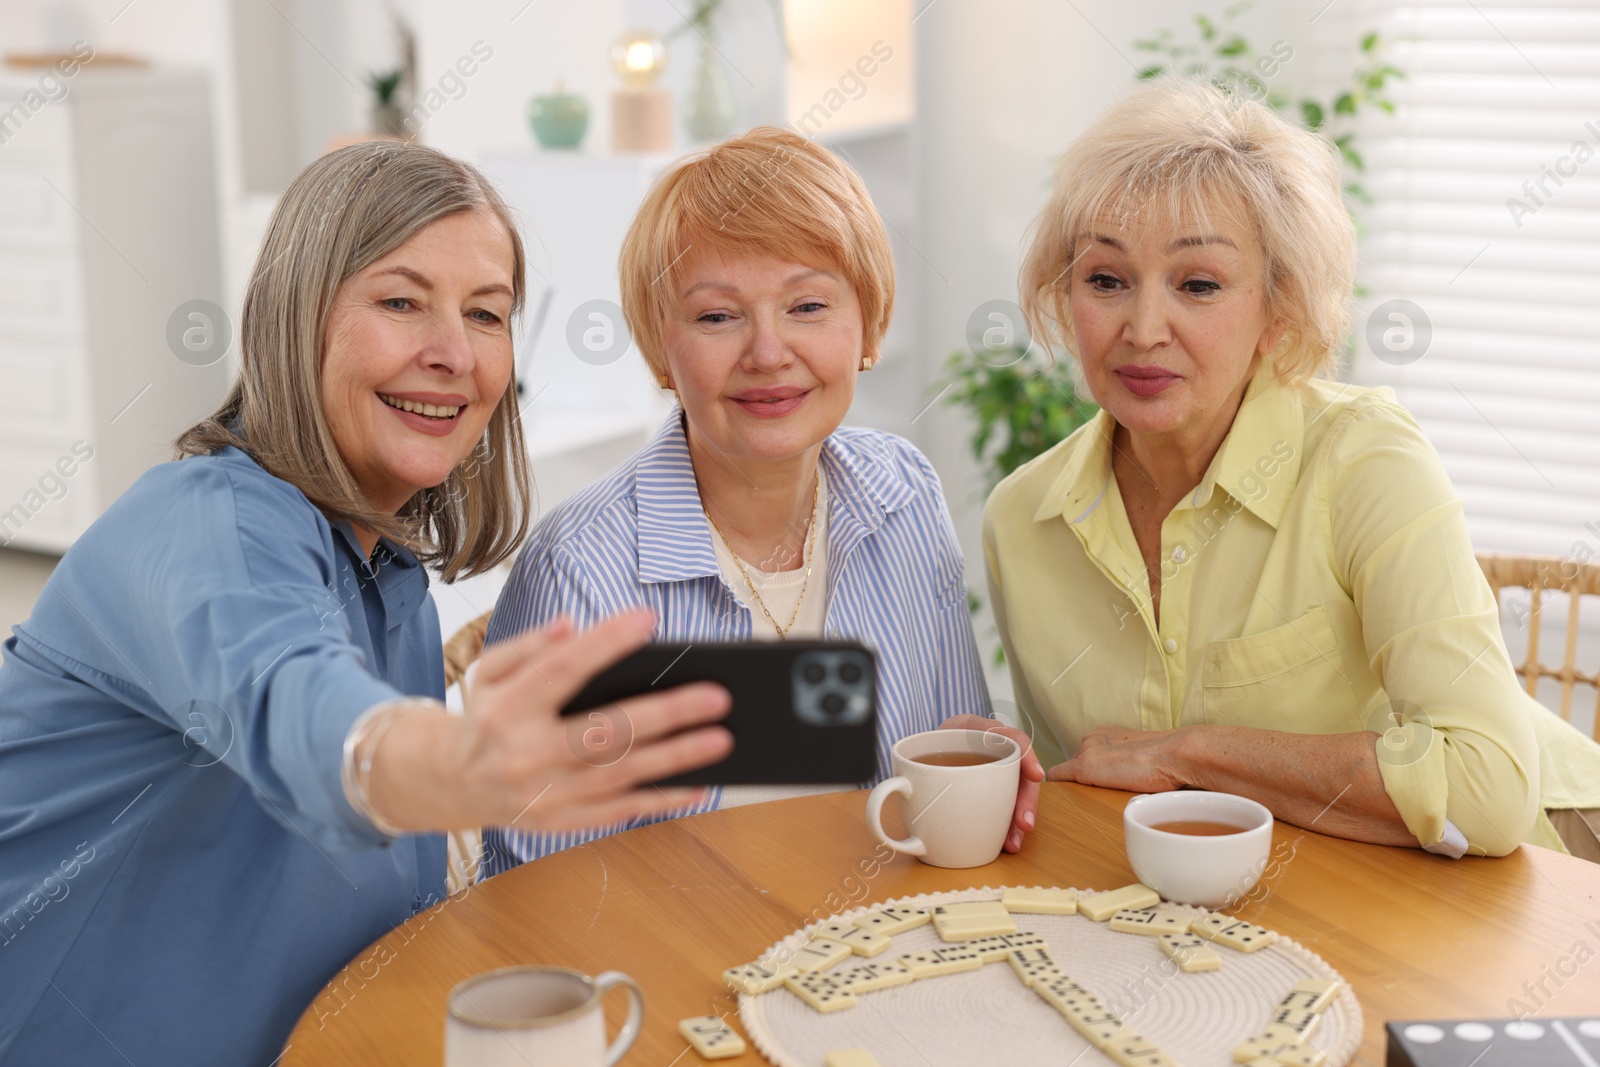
<point>180,871</point>
<point>639,537</point>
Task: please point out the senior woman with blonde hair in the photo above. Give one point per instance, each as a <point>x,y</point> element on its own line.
<point>221,735</point>
<point>758,282</point>
<point>1242,575</point>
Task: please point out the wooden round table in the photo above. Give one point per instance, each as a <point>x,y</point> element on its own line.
<point>674,904</point>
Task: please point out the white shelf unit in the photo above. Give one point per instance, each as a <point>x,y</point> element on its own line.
<point>108,222</point>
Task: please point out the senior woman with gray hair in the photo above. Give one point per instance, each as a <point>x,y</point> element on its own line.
<point>1242,575</point>
<point>221,738</point>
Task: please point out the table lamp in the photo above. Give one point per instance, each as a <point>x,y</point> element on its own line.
<point>641,112</point>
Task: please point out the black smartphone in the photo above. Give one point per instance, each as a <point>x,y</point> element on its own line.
<point>804,712</point>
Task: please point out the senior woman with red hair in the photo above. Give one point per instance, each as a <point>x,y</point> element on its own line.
<point>758,282</point>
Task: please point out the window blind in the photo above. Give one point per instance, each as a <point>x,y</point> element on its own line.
<point>1486,225</point>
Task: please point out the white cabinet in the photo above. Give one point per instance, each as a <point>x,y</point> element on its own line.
<point>108,223</point>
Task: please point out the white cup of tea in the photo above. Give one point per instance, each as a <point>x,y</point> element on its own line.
<point>958,790</point>
<point>520,1015</point>
<point>1196,847</point>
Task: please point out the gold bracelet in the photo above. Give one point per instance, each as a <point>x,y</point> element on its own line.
<point>366,733</point>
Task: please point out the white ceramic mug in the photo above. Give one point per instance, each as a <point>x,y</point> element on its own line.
<point>521,1015</point>
<point>1188,869</point>
<point>958,815</point>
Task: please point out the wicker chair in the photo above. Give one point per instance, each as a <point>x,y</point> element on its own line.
<point>1537,574</point>
<point>466,846</point>
<point>464,646</point>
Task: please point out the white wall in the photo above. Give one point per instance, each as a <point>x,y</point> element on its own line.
<point>850,65</point>
<point>533,44</point>
<point>571,41</point>
<point>750,49</point>
<point>333,48</point>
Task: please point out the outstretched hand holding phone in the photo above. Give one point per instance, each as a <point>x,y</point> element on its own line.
<point>512,760</point>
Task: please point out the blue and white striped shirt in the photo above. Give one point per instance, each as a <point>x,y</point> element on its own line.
<point>639,537</point>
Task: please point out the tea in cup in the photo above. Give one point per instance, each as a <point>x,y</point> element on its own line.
<point>522,1015</point>
<point>958,790</point>
<point>1196,847</point>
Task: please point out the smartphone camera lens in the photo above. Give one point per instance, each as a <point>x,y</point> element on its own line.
<point>832,688</point>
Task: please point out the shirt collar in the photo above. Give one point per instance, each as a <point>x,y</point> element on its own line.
<point>401,579</point>
<point>864,476</point>
<point>1080,485</point>
<point>1258,463</point>
<point>674,538</point>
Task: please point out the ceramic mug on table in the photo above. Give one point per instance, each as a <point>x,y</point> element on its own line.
<point>521,1015</point>
<point>958,791</point>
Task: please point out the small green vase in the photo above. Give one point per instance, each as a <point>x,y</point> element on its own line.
<point>559,119</point>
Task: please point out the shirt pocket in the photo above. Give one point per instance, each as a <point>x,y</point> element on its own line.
<point>1291,678</point>
<point>946,577</point>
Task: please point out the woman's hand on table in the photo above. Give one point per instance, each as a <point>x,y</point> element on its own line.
<point>1022,819</point>
<point>1327,782</point>
<point>1140,761</point>
<point>512,760</point>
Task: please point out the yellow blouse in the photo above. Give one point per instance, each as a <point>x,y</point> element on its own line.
<point>1319,579</point>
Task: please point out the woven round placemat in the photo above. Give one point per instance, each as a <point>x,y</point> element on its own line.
<point>989,1017</point>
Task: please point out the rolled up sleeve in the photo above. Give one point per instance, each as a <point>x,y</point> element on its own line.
<point>1456,742</point>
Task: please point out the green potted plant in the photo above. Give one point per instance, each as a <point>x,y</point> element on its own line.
<point>1022,403</point>
<point>388,119</point>
<point>1221,56</point>
<point>1020,407</point>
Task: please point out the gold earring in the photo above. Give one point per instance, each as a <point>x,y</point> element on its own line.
<point>866,362</point>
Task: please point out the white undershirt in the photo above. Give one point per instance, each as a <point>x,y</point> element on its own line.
<point>780,590</point>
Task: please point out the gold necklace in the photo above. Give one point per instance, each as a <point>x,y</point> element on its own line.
<point>811,536</point>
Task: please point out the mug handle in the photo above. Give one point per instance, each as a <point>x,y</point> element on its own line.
<point>911,846</point>
<point>630,1027</point>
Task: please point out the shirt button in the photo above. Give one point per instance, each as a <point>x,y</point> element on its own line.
<point>1179,555</point>
<point>1170,645</point>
